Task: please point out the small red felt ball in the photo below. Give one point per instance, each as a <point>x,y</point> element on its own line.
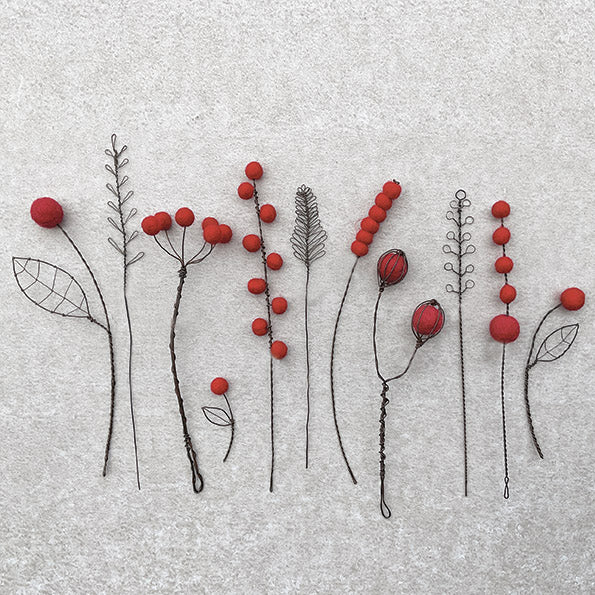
<point>245,190</point>
<point>504,264</point>
<point>504,328</point>
<point>274,261</point>
<point>150,225</point>
<point>212,234</point>
<point>219,386</point>
<point>279,305</point>
<point>427,320</point>
<point>392,189</point>
<point>500,209</point>
<point>184,217</point>
<point>254,170</point>
<point>368,224</point>
<point>376,213</point>
<point>256,286</point>
<point>268,213</point>
<point>278,349</point>
<point>364,236</point>
<point>260,327</point>
<point>209,221</point>
<point>164,220</point>
<point>46,212</point>
<point>251,242</point>
<point>573,298</point>
<point>501,236</point>
<point>359,248</point>
<point>508,294</point>
<point>383,201</point>
<point>226,233</point>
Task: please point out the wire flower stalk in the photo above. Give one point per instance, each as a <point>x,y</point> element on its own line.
<point>217,415</point>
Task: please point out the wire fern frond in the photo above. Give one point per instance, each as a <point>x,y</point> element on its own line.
<point>308,236</point>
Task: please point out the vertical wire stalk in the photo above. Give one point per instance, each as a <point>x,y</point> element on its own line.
<point>504,440</point>
<point>307,338</point>
<point>233,424</point>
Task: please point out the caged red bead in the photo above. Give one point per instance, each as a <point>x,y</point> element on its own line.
<point>392,189</point>
<point>364,236</point>
<point>245,190</point>
<point>368,224</point>
<point>376,213</point>
<point>184,217</point>
<point>504,264</point>
<point>268,213</point>
<point>219,386</point>
<point>46,212</point>
<point>278,349</point>
<point>260,327</point>
<point>151,225</point>
<point>504,328</point>
<point>392,268</point>
<point>274,261</point>
<point>279,305</point>
<point>253,170</point>
<point>209,221</point>
<point>251,242</point>
<point>226,233</point>
<point>428,319</point>
<point>383,201</point>
<point>500,209</point>
<point>573,298</point>
<point>508,294</point>
<point>164,220</point>
<point>359,248</point>
<point>256,286</point>
<point>501,236</point>
<point>212,234</point>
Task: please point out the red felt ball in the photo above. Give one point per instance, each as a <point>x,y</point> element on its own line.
<point>251,242</point>
<point>184,217</point>
<point>427,320</point>
<point>256,286</point>
<point>226,233</point>
<point>219,386</point>
<point>500,209</point>
<point>46,212</point>
<point>364,236</point>
<point>274,261</point>
<point>260,327</point>
<point>383,201</point>
<point>508,294</point>
<point>150,225</point>
<point>254,170</point>
<point>209,221</point>
<point>268,213</point>
<point>164,220</point>
<point>246,190</point>
<point>376,213</point>
<point>368,224</point>
<point>279,305</point>
<point>504,328</point>
<point>359,248</point>
<point>504,264</point>
<point>392,189</point>
<point>278,349</point>
<point>573,298</point>
<point>501,236</point>
<point>212,234</point>
<point>392,267</point>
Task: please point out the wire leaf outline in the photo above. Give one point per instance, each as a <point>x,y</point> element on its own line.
<point>557,343</point>
<point>308,236</point>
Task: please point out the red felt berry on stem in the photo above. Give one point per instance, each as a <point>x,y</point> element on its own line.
<point>164,220</point>
<point>501,236</point>
<point>46,212</point>
<point>504,264</point>
<point>151,225</point>
<point>364,236</point>
<point>376,213</point>
<point>274,261</point>
<point>368,224</point>
<point>500,209</point>
<point>212,234</point>
<point>226,233</point>
<point>359,248</point>
<point>278,349</point>
<point>219,386</point>
<point>209,221</point>
<point>279,305</point>
<point>504,328</point>
<point>184,217</point>
<point>573,298</point>
<point>254,170</point>
<point>391,268</point>
<point>268,213</point>
<point>427,320</point>
<point>392,189</point>
<point>383,201</point>
<point>508,294</point>
<point>245,190</point>
<point>251,242</point>
<point>256,286</point>
<point>260,327</point>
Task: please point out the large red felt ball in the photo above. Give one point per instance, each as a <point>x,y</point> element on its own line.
<point>256,286</point>
<point>212,234</point>
<point>209,221</point>
<point>164,220</point>
<point>573,298</point>
<point>504,264</point>
<point>226,233</point>
<point>368,224</point>
<point>268,213</point>
<point>359,248</point>
<point>501,236</point>
<point>508,294</point>
<point>254,170</point>
<point>260,327</point>
<point>391,189</point>
<point>427,320</point>
<point>219,386</point>
<point>251,242</point>
<point>279,305</point>
<point>184,217</point>
<point>274,261</point>
<point>150,225</point>
<point>278,349</point>
<point>383,201</point>
<point>504,328</point>
<point>245,190</point>
<point>376,213</point>
<point>500,209</point>
<point>46,212</point>
<point>392,267</point>
<point>364,236</point>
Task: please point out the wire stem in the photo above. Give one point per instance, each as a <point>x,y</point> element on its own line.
<point>504,441</point>
<point>233,423</point>
<point>307,337</point>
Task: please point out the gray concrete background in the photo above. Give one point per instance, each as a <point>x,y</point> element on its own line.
<point>494,97</point>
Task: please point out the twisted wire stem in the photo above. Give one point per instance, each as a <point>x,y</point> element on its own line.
<point>504,440</point>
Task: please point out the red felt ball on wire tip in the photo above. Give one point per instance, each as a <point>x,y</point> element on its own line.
<point>391,189</point>
<point>368,224</point>
<point>508,294</point>
<point>260,327</point>
<point>164,220</point>
<point>256,286</point>
<point>279,305</point>
<point>274,261</point>
<point>150,225</point>
<point>251,242</point>
<point>504,264</point>
<point>359,248</point>
<point>383,201</point>
<point>254,170</point>
<point>376,213</point>
<point>219,386</point>
<point>501,236</point>
<point>573,298</point>
<point>226,233</point>
<point>504,328</point>
<point>209,221</point>
<point>278,349</point>
<point>212,234</point>
<point>500,209</point>
<point>46,212</point>
<point>268,213</point>
<point>427,319</point>
<point>184,217</point>
<point>245,190</point>
<point>391,268</point>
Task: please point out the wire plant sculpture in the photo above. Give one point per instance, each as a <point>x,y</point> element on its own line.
<point>217,415</point>
<point>462,248</point>
<point>307,240</point>
<point>120,224</point>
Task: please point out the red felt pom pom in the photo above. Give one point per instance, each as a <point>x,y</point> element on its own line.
<point>226,233</point>
<point>364,236</point>
<point>278,349</point>
<point>209,221</point>
<point>508,294</point>
<point>251,242</point>
<point>164,220</point>
<point>212,234</point>
<point>245,190</point>
<point>279,305</point>
<point>428,319</point>
<point>359,248</point>
<point>46,212</point>
<point>392,267</point>
<point>391,189</point>
<point>376,213</point>
<point>254,170</point>
<point>504,328</point>
<point>368,224</point>
<point>260,327</point>
<point>219,386</point>
<point>500,209</point>
<point>274,261</point>
<point>268,213</point>
<point>573,298</point>
<point>383,201</point>
<point>150,225</point>
<point>504,264</point>
<point>184,217</point>
<point>256,286</point>
<point>501,236</point>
